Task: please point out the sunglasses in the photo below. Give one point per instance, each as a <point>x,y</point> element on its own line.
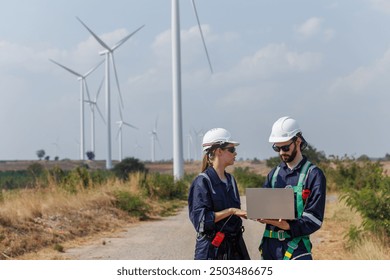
<point>284,148</point>
<point>230,149</point>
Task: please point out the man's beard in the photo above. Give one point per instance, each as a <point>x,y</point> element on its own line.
<point>289,158</point>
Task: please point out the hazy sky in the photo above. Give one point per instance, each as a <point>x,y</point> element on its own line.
<point>324,62</point>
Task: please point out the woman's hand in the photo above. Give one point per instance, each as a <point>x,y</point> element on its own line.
<point>228,212</point>
<point>240,213</point>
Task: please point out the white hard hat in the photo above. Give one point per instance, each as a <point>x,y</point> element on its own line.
<point>284,129</point>
<point>217,136</point>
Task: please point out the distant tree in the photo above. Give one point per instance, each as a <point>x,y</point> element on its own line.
<point>272,162</point>
<point>41,154</point>
<point>127,166</point>
<point>313,155</point>
<point>56,158</point>
<point>363,158</point>
<point>36,169</point>
<point>387,157</point>
<point>90,155</point>
<point>47,158</point>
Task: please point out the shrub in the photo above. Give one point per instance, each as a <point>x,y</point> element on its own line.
<point>164,186</point>
<point>131,203</point>
<point>248,179</point>
<point>77,179</point>
<point>366,189</point>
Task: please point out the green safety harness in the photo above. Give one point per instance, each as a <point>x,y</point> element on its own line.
<point>281,234</point>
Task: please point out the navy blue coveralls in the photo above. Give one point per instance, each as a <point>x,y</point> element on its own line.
<point>206,197</point>
<point>313,212</point>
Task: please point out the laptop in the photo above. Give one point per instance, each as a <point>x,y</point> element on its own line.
<point>268,203</point>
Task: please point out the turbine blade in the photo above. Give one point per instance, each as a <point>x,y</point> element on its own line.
<point>93,69</point>
<point>130,125</point>
<point>100,113</point>
<point>158,141</point>
<point>119,131</point>
<point>86,88</point>
<point>155,125</point>
<point>201,34</point>
<point>66,68</point>
<point>99,89</point>
<point>104,45</point>
<point>117,80</point>
<point>121,42</point>
<point>120,112</point>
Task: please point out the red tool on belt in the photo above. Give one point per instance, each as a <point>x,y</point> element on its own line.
<point>220,236</point>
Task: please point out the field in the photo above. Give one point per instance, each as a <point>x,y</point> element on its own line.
<point>57,212</point>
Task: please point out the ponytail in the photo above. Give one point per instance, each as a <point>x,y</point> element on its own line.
<point>208,158</point>
<point>205,162</point>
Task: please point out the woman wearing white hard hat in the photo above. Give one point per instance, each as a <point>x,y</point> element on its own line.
<point>214,201</point>
<point>290,239</point>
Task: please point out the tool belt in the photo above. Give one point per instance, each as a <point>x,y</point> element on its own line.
<point>229,235</point>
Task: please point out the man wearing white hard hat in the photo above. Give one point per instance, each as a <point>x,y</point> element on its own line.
<point>214,202</point>
<point>290,239</point>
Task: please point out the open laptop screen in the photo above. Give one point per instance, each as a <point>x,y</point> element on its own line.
<point>268,203</point>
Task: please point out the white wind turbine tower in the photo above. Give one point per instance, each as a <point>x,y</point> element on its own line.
<point>93,104</point>
<point>178,161</point>
<point>121,123</point>
<point>154,138</point>
<point>190,145</point>
<point>83,85</point>
<point>109,54</point>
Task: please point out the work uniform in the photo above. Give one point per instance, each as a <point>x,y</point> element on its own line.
<point>207,195</point>
<point>276,242</point>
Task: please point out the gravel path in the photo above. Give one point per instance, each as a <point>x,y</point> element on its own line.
<point>171,238</point>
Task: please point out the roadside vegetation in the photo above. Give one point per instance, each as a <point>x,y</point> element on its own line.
<point>47,208</point>
<point>66,205</point>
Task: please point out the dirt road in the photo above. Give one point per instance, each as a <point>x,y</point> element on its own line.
<point>171,238</point>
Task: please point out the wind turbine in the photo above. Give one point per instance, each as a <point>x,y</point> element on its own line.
<point>93,104</point>
<point>154,138</point>
<point>83,85</point>
<point>178,161</point>
<point>121,123</point>
<point>109,55</point>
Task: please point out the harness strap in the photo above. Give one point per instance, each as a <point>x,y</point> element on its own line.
<point>275,176</point>
<point>299,187</point>
<point>293,244</point>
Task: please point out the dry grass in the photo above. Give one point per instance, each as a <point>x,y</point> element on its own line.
<point>33,219</point>
<point>332,241</point>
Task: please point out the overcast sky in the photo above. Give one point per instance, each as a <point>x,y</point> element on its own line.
<point>325,63</point>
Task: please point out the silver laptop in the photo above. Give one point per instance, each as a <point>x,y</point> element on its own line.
<point>268,203</point>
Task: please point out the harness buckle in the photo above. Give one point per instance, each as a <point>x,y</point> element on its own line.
<point>281,236</point>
